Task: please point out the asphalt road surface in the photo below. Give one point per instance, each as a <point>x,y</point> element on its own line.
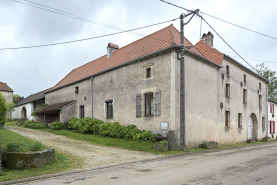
<point>248,165</point>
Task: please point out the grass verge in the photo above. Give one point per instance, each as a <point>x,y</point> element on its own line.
<point>62,162</point>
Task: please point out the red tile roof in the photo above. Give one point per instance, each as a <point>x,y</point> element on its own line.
<point>5,87</point>
<point>54,107</point>
<point>157,41</point>
<point>113,45</point>
<point>209,52</point>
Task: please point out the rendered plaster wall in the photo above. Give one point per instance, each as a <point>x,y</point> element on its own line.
<point>235,104</point>
<point>38,103</point>
<point>272,118</point>
<point>9,99</point>
<point>65,113</point>
<point>68,93</point>
<point>29,109</point>
<point>123,84</point>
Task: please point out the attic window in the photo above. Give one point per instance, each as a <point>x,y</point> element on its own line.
<point>148,72</point>
<point>76,90</point>
<point>244,78</point>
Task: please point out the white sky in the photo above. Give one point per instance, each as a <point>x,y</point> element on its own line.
<point>28,71</point>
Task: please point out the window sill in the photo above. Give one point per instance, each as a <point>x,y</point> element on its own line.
<point>244,103</point>
<point>227,127</point>
<point>240,128</point>
<point>228,99</point>
<point>148,116</point>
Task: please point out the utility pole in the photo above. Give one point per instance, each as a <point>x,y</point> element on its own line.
<point>182,80</point>
<point>0,141</point>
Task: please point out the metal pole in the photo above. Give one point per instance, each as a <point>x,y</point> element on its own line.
<point>0,140</point>
<point>91,79</point>
<point>182,88</point>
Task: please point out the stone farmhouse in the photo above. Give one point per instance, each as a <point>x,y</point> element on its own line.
<point>25,107</point>
<point>271,118</point>
<point>8,95</point>
<point>140,84</point>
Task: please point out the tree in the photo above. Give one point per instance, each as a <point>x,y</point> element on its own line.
<point>17,98</point>
<point>3,110</point>
<point>270,75</point>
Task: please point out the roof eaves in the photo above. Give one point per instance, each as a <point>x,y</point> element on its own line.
<point>250,71</point>
<point>272,101</point>
<point>28,101</point>
<point>6,90</point>
<point>113,68</point>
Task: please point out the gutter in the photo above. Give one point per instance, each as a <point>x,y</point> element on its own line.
<point>252,72</point>
<point>175,46</point>
<point>6,90</point>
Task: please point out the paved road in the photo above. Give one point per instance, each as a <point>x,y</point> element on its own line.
<point>250,165</point>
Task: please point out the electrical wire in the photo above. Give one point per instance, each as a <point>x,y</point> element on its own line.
<point>239,26</point>
<point>79,40</point>
<point>60,12</point>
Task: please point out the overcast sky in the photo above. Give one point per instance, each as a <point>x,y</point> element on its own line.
<point>28,71</point>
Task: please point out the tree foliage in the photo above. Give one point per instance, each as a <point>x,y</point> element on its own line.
<point>272,78</point>
<point>3,110</point>
<point>17,98</point>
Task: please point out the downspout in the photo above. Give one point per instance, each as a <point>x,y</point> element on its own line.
<point>182,88</point>
<point>91,79</point>
<point>266,110</point>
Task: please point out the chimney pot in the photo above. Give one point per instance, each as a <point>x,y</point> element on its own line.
<point>208,39</point>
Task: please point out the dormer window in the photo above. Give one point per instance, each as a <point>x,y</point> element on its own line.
<point>111,48</point>
<point>76,90</point>
<point>148,72</point>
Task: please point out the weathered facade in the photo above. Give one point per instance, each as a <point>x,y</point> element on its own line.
<point>140,84</point>
<point>8,95</point>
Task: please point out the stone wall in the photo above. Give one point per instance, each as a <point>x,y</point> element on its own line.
<point>25,160</point>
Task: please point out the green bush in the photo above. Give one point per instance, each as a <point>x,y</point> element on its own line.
<point>57,125</point>
<point>3,110</point>
<point>96,125</point>
<point>13,147</point>
<point>147,136</point>
<point>71,123</point>
<point>36,146</point>
<point>34,125</point>
<point>104,129</point>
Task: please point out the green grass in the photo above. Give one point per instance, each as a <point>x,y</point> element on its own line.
<point>113,142</point>
<point>62,162</point>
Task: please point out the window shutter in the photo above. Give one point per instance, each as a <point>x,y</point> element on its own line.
<point>273,127</point>
<point>270,108</point>
<point>240,120</point>
<point>273,108</point>
<point>138,105</point>
<point>270,128</point>
<point>158,103</point>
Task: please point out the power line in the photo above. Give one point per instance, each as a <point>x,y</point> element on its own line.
<point>60,12</point>
<point>213,30</point>
<point>79,40</point>
<point>239,26</point>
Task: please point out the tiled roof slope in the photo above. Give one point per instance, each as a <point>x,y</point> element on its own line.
<point>54,107</point>
<point>209,52</point>
<point>5,87</point>
<point>32,97</point>
<point>157,41</point>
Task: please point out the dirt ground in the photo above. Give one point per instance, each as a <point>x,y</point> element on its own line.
<point>88,155</point>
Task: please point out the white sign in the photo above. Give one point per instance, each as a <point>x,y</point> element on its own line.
<point>164,125</point>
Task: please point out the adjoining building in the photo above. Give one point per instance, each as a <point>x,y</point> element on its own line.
<point>8,95</point>
<point>271,118</point>
<point>24,108</point>
<point>140,84</point>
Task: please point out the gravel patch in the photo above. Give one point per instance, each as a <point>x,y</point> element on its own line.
<point>89,155</point>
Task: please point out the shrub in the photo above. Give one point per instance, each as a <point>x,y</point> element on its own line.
<point>96,125</point>
<point>77,124</point>
<point>21,121</point>
<point>104,128</point>
<point>13,147</point>
<point>147,136</point>
<point>36,146</point>
<point>57,125</point>
<point>34,125</point>
<point>4,154</point>
<point>117,130</point>
<point>3,110</point>
<point>87,125</point>
<point>71,123</point>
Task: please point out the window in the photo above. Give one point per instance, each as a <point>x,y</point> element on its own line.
<point>260,86</point>
<point>76,90</point>
<point>244,78</point>
<point>149,104</point>
<point>244,96</point>
<point>227,70</point>
<point>109,109</point>
<point>272,127</point>
<point>227,118</point>
<point>82,111</point>
<point>227,90</point>
<point>239,120</point>
<point>260,100</point>
<point>148,72</point>
<point>263,122</point>
<point>271,108</point>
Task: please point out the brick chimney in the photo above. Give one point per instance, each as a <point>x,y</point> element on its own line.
<point>111,48</point>
<point>209,38</point>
